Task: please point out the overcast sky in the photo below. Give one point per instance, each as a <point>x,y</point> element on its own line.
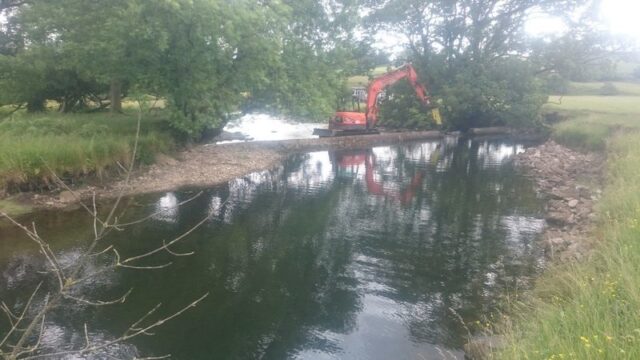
<point>620,17</point>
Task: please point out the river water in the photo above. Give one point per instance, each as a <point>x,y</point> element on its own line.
<point>359,254</point>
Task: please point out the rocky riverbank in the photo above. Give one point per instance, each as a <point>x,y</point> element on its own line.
<point>571,183</point>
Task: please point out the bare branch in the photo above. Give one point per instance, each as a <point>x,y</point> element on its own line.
<point>165,245</point>
<point>44,247</point>
<point>160,211</point>
<point>129,334</point>
<point>20,318</point>
<point>37,344</point>
<point>119,300</point>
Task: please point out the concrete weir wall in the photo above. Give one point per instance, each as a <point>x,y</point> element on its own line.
<point>340,142</point>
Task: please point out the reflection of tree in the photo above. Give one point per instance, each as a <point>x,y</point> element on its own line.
<point>437,253</point>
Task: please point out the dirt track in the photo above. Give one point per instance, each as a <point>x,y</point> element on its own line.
<point>209,164</point>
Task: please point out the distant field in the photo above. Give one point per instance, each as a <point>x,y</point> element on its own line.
<point>598,104</point>
<point>363,80</point>
<point>594,88</point>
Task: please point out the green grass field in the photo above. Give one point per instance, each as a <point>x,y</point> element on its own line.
<point>591,310</point>
<point>34,147</point>
<point>594,88</point>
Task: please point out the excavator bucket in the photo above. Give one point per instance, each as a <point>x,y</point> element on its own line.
<point>435,112</point>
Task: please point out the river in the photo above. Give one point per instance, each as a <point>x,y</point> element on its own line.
<point>359,254</point>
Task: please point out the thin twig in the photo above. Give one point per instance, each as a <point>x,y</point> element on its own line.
<point>129,334</point>
<point>119,300</point>
<point>27,306</point>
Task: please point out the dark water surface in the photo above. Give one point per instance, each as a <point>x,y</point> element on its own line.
<point>334,255</point>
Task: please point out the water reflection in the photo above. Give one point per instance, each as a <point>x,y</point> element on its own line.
<point>353,254</point>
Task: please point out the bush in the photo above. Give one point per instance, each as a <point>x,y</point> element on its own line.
<point>608,89</point>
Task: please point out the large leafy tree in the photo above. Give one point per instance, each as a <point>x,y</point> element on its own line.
<point>472,52</point>
<point>205,57</point>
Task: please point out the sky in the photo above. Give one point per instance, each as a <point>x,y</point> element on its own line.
<point>619,17</point>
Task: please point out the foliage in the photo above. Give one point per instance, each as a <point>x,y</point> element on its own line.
<point>472,56</point>
<point>205,57</point>
<point>402,109</point>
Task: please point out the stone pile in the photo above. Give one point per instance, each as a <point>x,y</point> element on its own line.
<point>570,182</point>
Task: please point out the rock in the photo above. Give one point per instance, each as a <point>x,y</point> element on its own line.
<point>573,203</point>
<point>556,244</point>
<point>481,347</point>
<point>583,191</point>
<point>66,197</point>
<point>559,218</point>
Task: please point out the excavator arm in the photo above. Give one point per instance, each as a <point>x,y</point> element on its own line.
<point>357,123</point>
<point>378,84</point>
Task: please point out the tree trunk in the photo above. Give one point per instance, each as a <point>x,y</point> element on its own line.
<point>36,104</point>
<point>115,95</point>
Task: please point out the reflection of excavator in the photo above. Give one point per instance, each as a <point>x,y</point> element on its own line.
<point>356,123</point>
<point>354,159</point>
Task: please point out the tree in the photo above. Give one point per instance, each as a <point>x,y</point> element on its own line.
<point>205,57</point>
<point>461,49</point>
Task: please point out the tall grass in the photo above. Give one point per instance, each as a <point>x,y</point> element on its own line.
<point>592,119</point>
<point>591,310</point>
<point>34,147</point>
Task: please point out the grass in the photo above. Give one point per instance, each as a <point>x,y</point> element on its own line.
<point>591,309</point>
<point>363,80</point>
<point>34,146</point>
<point>592,119</point>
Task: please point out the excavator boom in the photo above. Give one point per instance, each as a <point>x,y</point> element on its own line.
<point>377,85</point>
<point>352,123</point>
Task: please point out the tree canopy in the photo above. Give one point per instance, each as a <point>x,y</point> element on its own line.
<point>207,58</point>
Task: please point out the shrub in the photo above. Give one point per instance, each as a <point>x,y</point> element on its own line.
<point>608,89</point>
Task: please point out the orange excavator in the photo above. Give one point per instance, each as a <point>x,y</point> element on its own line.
<point>357,123</point>
<point>347,160</point>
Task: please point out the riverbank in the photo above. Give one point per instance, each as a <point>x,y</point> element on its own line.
<point>34,148</point>
<point>571,182</point>
<point>205,165</point>
<point>588,309</point>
